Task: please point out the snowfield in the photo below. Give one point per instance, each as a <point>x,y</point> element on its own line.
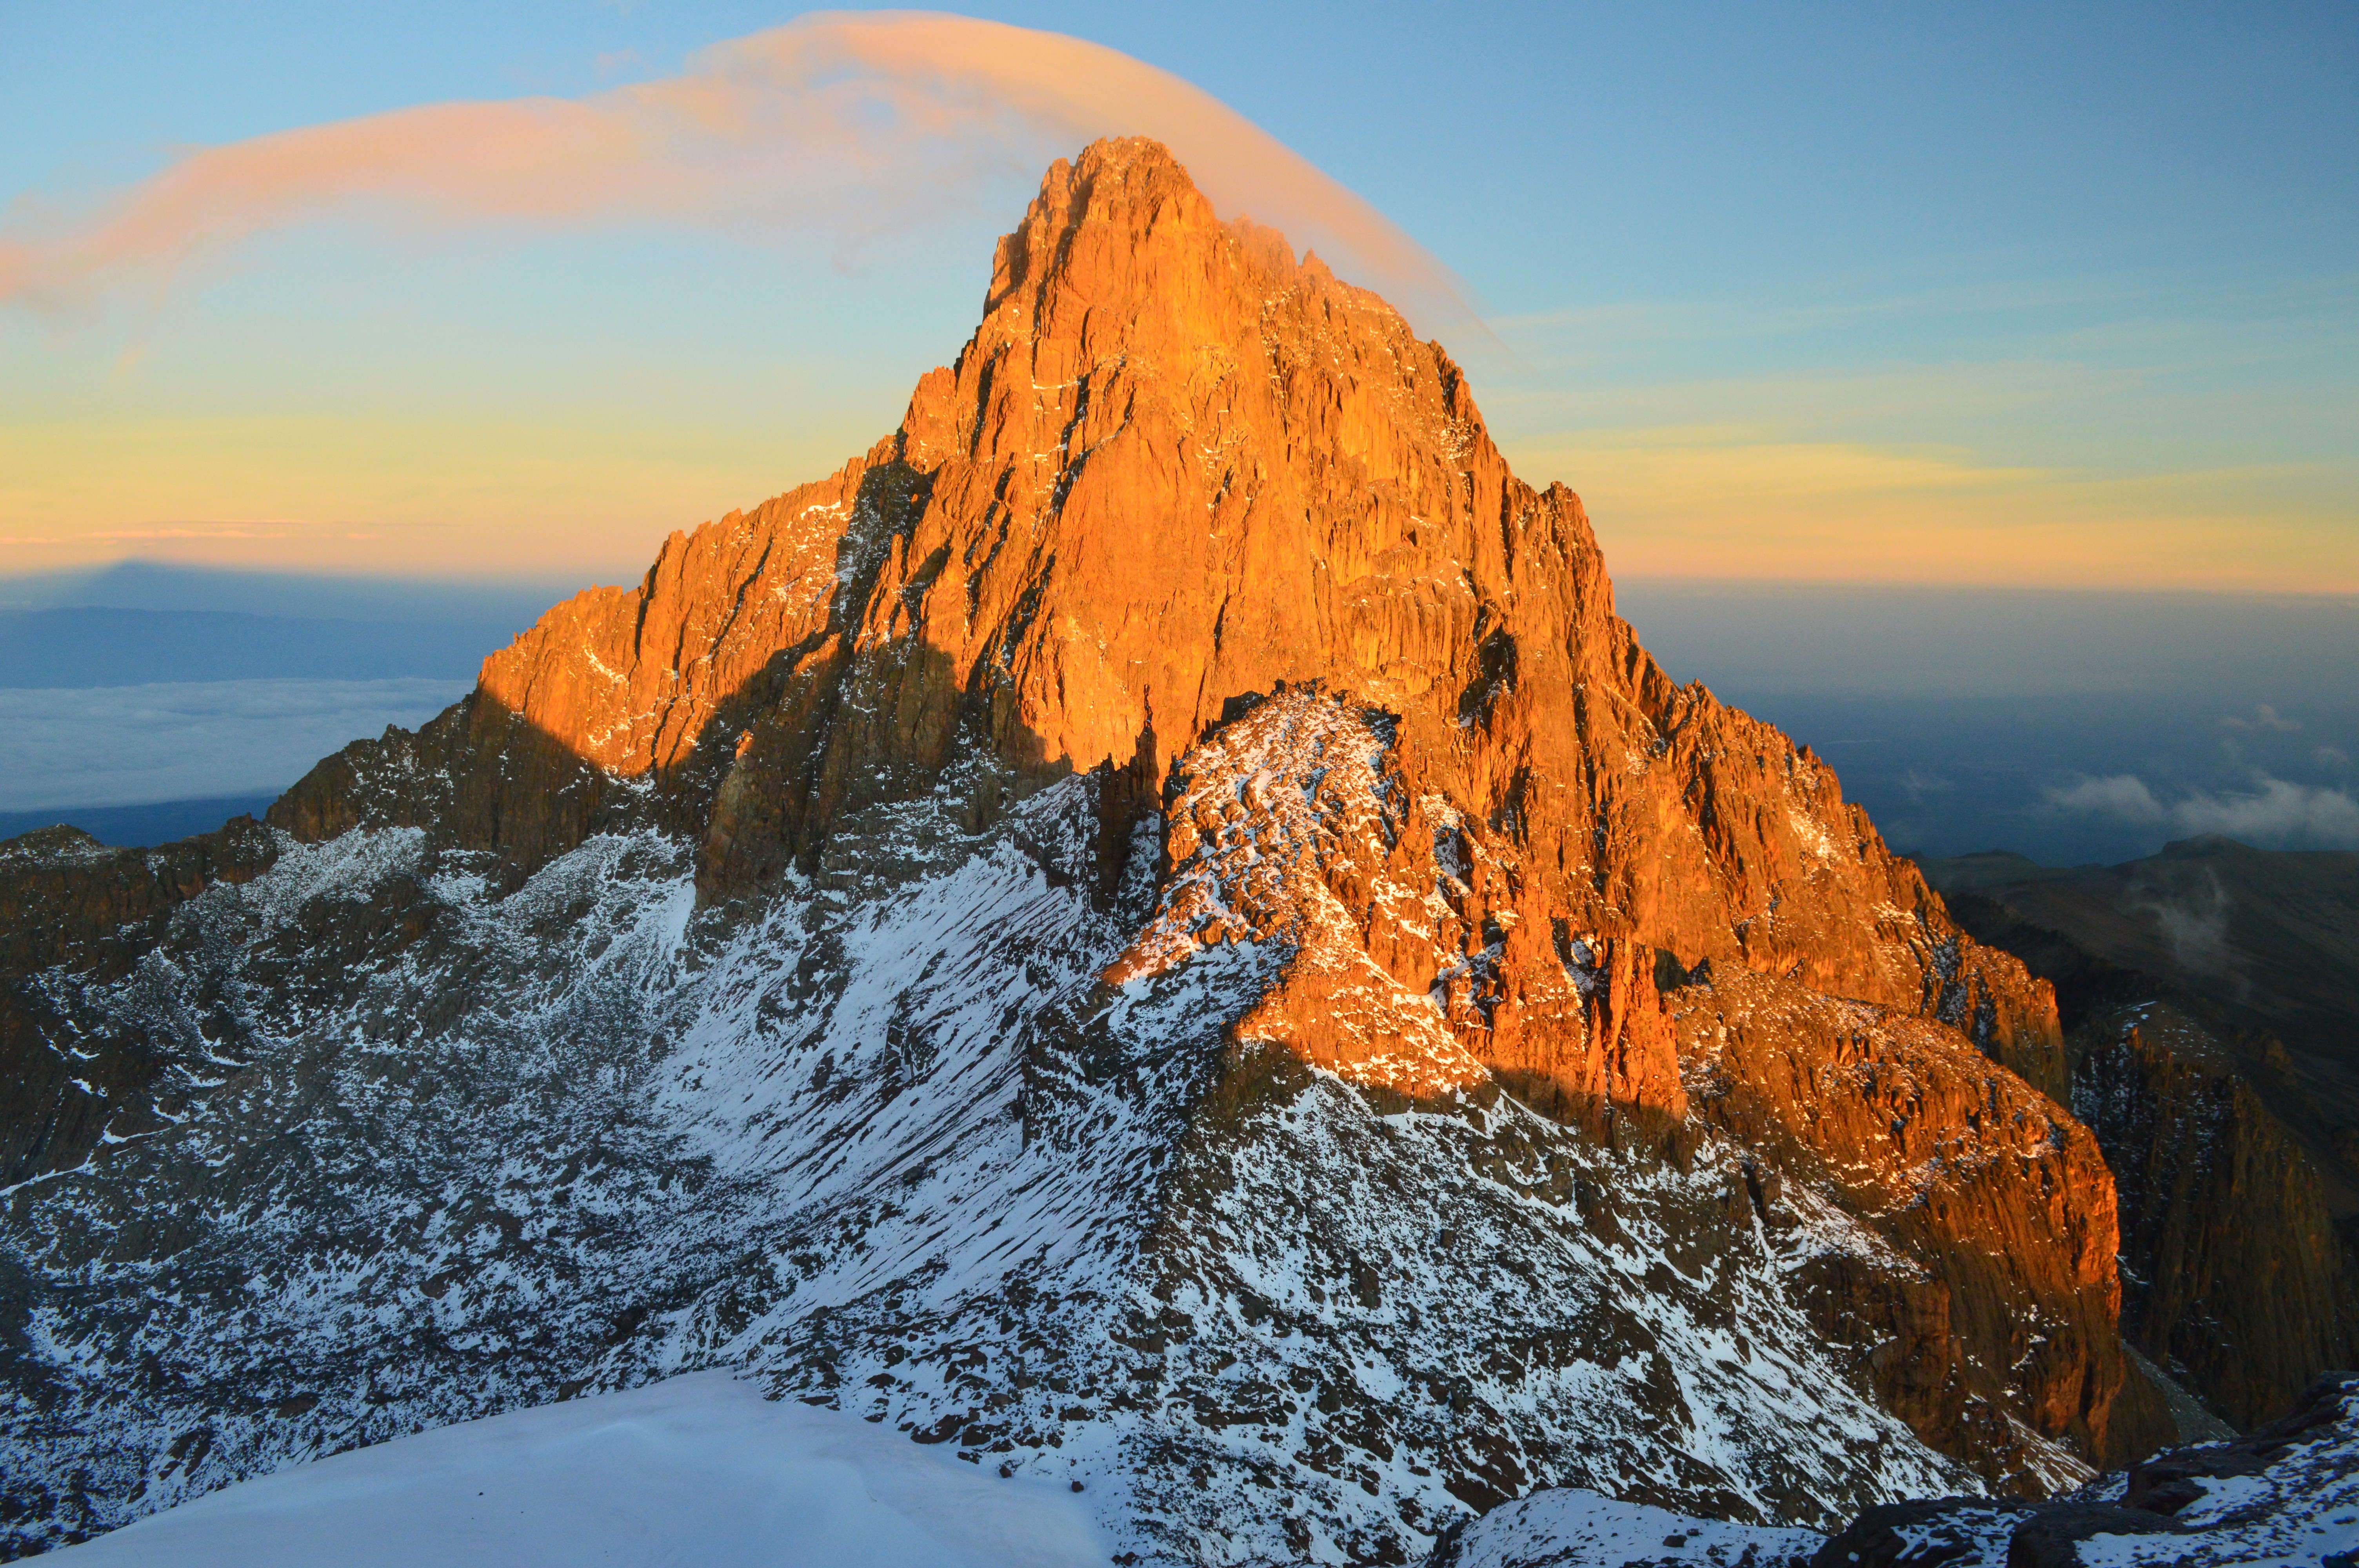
<point>699,1469</point>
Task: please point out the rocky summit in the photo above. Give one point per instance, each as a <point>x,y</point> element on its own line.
<point>1155,929</point>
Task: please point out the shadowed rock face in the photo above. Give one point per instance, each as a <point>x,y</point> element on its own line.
<point>2287,1493</point>
<point>71,907</point>
<point>2240,1284</point>
<point>1457,1058</point>
<point>2265,940</point>
<point>2227,1149</point>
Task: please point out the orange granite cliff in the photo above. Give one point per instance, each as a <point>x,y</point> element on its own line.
<point>1175,470</point>
<point>1157,925</point>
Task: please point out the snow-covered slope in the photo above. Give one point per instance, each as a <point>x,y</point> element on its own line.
<point>699,1469</point>
<point>896,1145</point>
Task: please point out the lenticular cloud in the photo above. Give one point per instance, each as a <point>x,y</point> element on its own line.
<point>833,128</point>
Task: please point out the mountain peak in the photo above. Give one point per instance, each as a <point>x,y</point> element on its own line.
<point>1208,551</point>
<point>1120,256</point>
<point>1115,169</point>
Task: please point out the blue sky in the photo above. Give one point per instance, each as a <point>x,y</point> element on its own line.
<point>2013,295</point>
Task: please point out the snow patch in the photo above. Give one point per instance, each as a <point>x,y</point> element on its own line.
<point>698,1469</point>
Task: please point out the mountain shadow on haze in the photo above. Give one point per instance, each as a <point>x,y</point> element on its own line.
<point>128,786</point>
<point>92,646</point>
<point>166,587</point>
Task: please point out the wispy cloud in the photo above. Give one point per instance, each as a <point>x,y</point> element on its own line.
<point>837,127</point>
<point>1920,785</point>
<point>2123,795</point>
<point>222,531</point>
<point>2275,814</point>
<point>2194,920</point>
<point>2264,718</point>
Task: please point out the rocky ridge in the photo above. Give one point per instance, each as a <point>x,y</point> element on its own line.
<point>1155,925</point>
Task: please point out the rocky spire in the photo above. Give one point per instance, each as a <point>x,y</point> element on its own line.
<point>1178,472</point>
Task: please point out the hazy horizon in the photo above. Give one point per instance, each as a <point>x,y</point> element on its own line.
<point>2017,296</point>
<point>2070,725</point>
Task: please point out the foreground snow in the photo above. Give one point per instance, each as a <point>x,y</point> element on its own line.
<point>698,1469</point>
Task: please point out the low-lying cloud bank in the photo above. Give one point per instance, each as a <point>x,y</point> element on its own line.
<point>834,129</point>
<point>2276,815</point>
<point>133,744</point>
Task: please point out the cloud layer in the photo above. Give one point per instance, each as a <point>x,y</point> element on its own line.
<point>834,129</point>
<point>196,740</point>
<point>2276,815</point>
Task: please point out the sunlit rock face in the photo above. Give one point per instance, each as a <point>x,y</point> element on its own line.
<point>1155,928</point>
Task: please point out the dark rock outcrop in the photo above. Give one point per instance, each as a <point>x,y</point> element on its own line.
<point>1933,1532</point>
<point>2266,942</point>
<point>70,907</point>
<point>2287,1493</point>
<point>2234,1276</point>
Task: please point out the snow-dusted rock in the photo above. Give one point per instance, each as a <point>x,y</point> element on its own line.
<point>2286,1496</point>
<point>1566,1528</point>
<point>901,1149</point>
